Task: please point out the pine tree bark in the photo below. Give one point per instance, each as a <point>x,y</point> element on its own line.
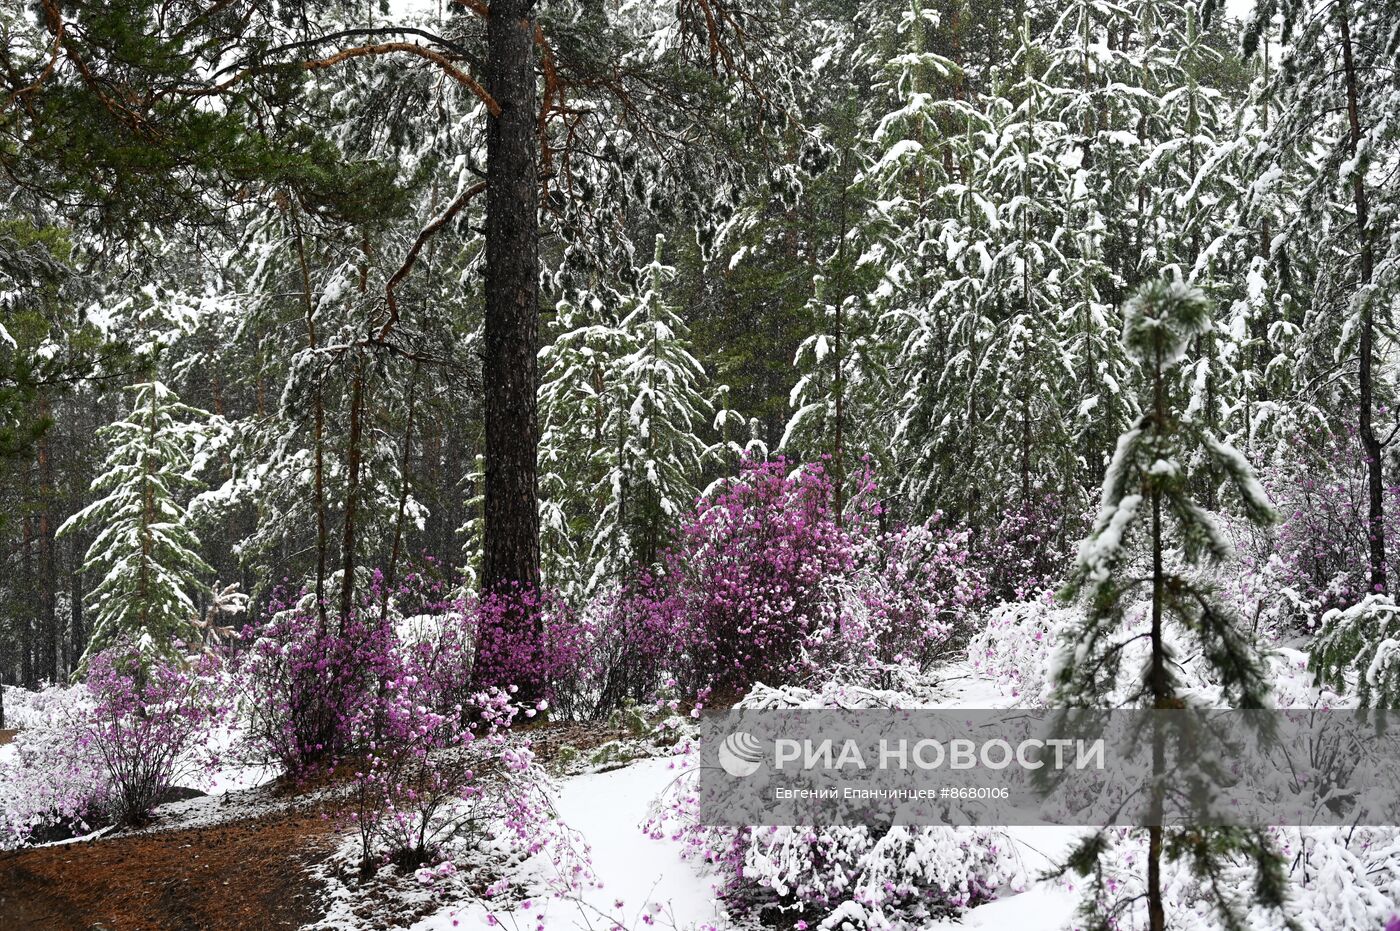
<point>1158,682</point>
<point>49,626</point>
<point>511,544</point>
<point>352,492</point>
<point>26,628</point>
<point>1371,446</point>
<point>319,426</point>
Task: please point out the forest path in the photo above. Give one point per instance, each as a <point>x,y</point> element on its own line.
<point>648,877</point>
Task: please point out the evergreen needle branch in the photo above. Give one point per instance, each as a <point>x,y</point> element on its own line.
<point>411,259</point>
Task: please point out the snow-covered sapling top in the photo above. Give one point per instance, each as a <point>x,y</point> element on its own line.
<point>1161,320</point>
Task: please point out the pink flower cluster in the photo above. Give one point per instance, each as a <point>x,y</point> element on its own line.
<point>305,677</point>
<point>149,723</point>
<point>767,582</point>
<point>391,695</point>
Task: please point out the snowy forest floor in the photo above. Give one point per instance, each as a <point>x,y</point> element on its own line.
<point>265,856</point>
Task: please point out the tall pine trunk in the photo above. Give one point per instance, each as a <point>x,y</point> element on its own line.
<point>1375,483</point>
<point>511,544</point>
<point>48,591</point>
<point>352,491</point>
<point>1161,691</point>
<point>318,402</point>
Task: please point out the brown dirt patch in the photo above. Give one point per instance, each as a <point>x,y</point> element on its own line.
<point>8,735</point>
<point>548,739</point>
<point>229,876</point>
<point>245,874</point>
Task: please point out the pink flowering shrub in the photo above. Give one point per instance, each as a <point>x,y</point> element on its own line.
<point>303,679</point>
<point>745,578</point>
<point>920,590</point>
<point>767,583</point>
<point>530,640</point>
<point>1319,551</point>
<point>149,722</point>
<point>53,783</point>
<point>1031,545</point>
<point>627,647</point>
<point>392,694</point>
<point>425,776</point>
<point>110,749</point>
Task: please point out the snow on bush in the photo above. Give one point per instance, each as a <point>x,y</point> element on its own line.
<point>837,877</point>
<point>1029,546</point>
<point>149,721</point>
<point>111,748</point>
<point>392,695</point>
<point>25,708</point>
<point>51,779</point>
<point>1340,879</point>
<point>1320,547</point>
<point>1347,879</point>
<point>432,766</point>
<point>1014,648</point>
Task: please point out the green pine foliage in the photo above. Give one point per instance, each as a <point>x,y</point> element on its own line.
<point>626,412</point>
<point>1149,535</point>
<point>144,555</point>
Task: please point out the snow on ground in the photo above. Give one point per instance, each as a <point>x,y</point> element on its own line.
<point>646,876</point>
<point>1044,905</point>
<point>961,686</point>
<point>649,877</point>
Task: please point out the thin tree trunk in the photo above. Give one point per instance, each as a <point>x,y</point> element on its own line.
<point>352,491</point>
<point>403,493</point>
<point>26,629</point>
<point>47,592</point>
<point>319,428</point>
<point>511,545</point>
<point>75,583</point>
<point>1375,482</point>
<point>839,450</point>
<point>1161,692</point>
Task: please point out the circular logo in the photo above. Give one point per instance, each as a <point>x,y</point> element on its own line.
<point>741,754</point>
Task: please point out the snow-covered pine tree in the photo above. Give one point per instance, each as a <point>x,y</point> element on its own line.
<point>1335,141</point>
<point>624,404</point>
<point>145,552</point>
<point>840,398</point>
<point>578,454</point>
<point>1146,505</point>
<point>1084,100</point>
<point>667,409</point>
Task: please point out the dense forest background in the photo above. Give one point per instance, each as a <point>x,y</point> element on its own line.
<point>244,282</point>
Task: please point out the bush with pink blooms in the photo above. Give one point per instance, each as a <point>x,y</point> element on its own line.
<point>302,678</point>
<point>767,582</point>
<point>53,784</point>
<point>392,694</point>
<point>149,722</point>
<point>1318,552</point>
<point>111,748</point>
<point>432,759</point>
<point>529,640</point>
<point>1030,545</point>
